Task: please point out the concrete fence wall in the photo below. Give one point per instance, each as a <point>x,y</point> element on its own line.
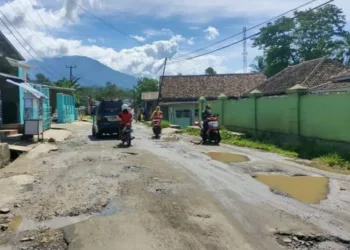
<point>324,116</point>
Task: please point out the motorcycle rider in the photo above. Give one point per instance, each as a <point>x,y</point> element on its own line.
<point>205,115</point>
<point>157,113</point>
<point>125,118</point>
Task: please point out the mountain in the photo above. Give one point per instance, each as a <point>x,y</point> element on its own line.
<point>91,72</point>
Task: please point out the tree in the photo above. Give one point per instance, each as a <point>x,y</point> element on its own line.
<point>111,91</point>
<point>308,35</point>
<point>42,79</point>
<point>66,83</point>
<point>145,85</point>
<point>210,71</point>
<point>259,65</point>
<point>346,55</point>
<point>71,84</point>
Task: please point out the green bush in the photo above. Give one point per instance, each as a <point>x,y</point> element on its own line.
<point>164,123</point>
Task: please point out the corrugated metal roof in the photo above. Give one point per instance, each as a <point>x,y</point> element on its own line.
<point>8,50</point>
<point>149,96</point>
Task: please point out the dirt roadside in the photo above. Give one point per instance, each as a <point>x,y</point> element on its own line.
<point>87,194</point>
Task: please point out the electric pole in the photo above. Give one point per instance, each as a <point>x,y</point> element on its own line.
<point>245,50</point>
<point>161,80</point>
<point>71,71</point>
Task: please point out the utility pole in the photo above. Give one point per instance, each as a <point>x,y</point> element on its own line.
<point>161,80</point>
<point>71,71</point>
<point>245,50</point>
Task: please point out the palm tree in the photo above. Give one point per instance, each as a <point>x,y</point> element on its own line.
<point>71,84</point>
<point>259,65</point>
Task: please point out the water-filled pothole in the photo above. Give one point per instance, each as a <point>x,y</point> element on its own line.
<point>303,241</point>
<point>307,189</point>
<point>227,157</point>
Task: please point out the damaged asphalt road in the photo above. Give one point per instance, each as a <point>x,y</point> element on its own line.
<point>162,194</point>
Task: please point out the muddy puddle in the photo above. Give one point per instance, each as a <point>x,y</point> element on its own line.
<point>227,157</point>
<point>307,189</point>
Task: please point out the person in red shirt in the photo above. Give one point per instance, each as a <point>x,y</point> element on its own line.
<point>125,118</point>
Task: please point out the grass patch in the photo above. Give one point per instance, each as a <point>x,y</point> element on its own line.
<point>306,151</point>
<point>85,117</point>
<point>164,123</point>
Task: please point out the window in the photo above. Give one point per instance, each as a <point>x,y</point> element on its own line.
<point>196,113</point>
<point>178,113</point>
<point>186,113</point>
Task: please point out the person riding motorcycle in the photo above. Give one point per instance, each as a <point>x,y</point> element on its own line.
<point>125,118</point>
<point>205,115</point>
<point>157,113</point>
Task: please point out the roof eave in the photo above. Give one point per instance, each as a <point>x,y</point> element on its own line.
<point>16,63</point>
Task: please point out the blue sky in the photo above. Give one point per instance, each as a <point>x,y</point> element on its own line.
<point>165,28</point>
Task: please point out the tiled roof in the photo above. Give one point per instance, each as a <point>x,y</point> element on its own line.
<point>209,86</point>
<point>149,96</point>
<point>332,86</point>
<point>308,74</point>
<point>342,75</point>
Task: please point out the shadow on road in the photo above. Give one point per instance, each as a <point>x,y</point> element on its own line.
<point>103,138</point>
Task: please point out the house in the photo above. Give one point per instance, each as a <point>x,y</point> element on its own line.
<point>307,74</point>
<point>11,97</point>
<point>150,101</point>
<point>338,83</point>
<point>17,102</point>
<point>179,94</point>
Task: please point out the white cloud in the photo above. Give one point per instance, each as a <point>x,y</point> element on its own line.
<point>91,40</point>
<point>209,10</point>
<point>153,32</point>
<point>139,38</point>
<point>190,41</point>
<point>211,33</point>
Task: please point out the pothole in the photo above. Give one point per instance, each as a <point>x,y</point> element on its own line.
<point>39,240</point>
<point>227,157</point>
<point>134,169</point>
<point>162,191</point>
<point>302,241</point>
<point>307,189</point>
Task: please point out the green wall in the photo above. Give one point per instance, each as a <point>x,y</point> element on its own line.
<point>239,114</point>
<point>274,114</point>
<point>324,116</point>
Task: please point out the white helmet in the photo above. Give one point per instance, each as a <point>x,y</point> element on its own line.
<point>125,106</point>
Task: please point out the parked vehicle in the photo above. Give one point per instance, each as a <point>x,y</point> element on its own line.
<point>126,135</point>
<point>157,130</point>
<point>213,133</point>
<point>105,118</point>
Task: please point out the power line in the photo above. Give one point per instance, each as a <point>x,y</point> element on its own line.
<point>249,37</point>
<point>106,23</point>
<point>18,39</point>
<point>28,28</point>
<point>160,67</point>
<point>253,27</point>
<point>42,20</point>
<point>19,1</point>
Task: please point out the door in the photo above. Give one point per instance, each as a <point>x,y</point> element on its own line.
<point>183,117</point>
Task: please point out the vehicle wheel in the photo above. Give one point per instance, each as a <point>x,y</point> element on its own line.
<point>217,139</point>
<point>128,140</point>
<point>98,135</point>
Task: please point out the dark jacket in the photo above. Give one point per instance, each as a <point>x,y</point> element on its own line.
<point>205,114</point>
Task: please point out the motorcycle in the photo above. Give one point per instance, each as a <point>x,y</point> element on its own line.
<point>156,127</point>
<point>126,135</point>
<point>213,133</point>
